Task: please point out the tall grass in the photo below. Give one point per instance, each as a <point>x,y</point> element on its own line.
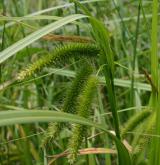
<point>79,82</point>
<point>154,157</point>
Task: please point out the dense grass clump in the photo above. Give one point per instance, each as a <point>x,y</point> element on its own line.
<point>79,82</point>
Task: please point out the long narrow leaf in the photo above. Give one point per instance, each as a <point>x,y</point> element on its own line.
<point>66,5</point>
<point>10,51</point>
<point>32,116</point>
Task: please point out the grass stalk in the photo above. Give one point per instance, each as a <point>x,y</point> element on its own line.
<point>154,157</point>
<point>134,57</point>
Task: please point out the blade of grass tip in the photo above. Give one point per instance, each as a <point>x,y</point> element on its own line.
<point>132,93</point>
<point>155,150</point>
<point>10,51</point>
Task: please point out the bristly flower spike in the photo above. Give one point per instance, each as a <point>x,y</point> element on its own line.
<point>70,102</point>
<point>60,54</point>
<point>83,109</point>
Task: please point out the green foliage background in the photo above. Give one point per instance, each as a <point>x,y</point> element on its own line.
<point>89,68</point>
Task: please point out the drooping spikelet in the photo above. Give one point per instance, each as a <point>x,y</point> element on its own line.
<point>83,109</point>
<point>52,131</point>
<point>70,102</point>
<point>60,54</point>
<point>145,136</point>
<point>143,140</point>
<point>135,121</point>
<point>76,88</point>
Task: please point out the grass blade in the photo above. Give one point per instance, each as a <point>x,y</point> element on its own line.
<point>10,51</point>
<point>32,116</point>
<point>154,157</point>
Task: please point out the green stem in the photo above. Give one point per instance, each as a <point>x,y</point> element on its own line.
<point>76,11</point>
<point>155,150</point>
<point>134,57</point>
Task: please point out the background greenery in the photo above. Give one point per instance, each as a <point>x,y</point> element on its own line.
<point>128,38</point>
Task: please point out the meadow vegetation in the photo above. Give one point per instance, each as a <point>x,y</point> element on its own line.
<point>79,82</point>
